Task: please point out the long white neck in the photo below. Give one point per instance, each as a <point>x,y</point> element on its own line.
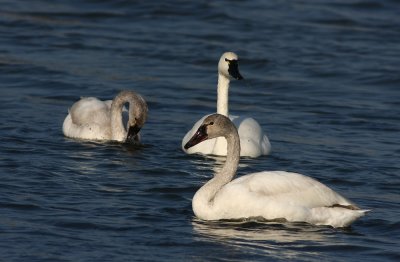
<point>223,92</point>
<point>203,200</point>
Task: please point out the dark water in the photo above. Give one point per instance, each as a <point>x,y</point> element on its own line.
<point>322,79</point>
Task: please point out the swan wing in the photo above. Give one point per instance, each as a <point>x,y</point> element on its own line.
<point>253,141</point>
<point>90,110</point>
<point>283,195</point>
<point>89,118</point>
<point>290,188</point>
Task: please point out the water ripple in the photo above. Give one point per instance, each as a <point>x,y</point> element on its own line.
<point>319,78</point>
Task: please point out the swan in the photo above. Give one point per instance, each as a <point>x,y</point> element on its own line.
<point>270,195</point>
<point>93,119</point>
<point>254,142</point>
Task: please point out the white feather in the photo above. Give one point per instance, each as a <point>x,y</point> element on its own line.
<point>253,140</point>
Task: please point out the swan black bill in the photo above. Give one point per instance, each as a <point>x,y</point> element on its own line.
<point>234,70</point>
<point>198,137</point>
<point>132,135</point>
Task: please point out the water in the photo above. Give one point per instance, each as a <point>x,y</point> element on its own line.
<point>322,79</point>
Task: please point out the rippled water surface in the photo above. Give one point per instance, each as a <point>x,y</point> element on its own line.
<point>322,78</point>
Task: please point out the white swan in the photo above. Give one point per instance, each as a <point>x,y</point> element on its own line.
<point>252,139</point>
<point>92,119</point>
<point>271,195</point>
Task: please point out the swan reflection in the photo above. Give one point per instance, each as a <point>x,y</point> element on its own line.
<point>252,229</point>
<point>277,239</point>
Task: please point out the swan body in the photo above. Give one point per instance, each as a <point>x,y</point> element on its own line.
<point>254,142</point>
<point>93,119</point>
<point>271,195</point>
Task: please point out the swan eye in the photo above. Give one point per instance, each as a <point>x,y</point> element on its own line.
<point>227,60</point>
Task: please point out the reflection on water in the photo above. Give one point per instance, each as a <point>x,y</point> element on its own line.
<point>265,236</point>
<point>256,230</point>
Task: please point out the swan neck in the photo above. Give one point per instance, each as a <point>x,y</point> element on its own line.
<point>229,169</point>
<point>137,107</point>
<point>223,92</point>
<point>118,131</point>
<point>203,201</point>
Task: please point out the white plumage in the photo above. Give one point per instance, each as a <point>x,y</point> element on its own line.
<point>270,195</point>
<point>254,142</point>
<point>93,119</point>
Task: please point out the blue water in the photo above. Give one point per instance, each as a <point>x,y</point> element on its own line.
<point>322,79</point>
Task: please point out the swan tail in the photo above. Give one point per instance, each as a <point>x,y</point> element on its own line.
<point>336,216</point>
<point>266,145</point>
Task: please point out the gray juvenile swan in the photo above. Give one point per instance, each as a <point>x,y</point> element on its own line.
<point>254,142</point>
<point>92,119</point>
<point>269,194</point>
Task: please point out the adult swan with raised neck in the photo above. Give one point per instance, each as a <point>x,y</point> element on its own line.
<point>272,195</point>
<point>253,140</point>
<point>93,119</point>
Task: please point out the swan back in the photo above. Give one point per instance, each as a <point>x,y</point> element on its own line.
<point>90,110</point>
<point>89,118</point>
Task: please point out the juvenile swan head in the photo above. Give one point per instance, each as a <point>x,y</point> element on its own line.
<point>228,66</point>
<point>137,118</point>
<point>213,126</point>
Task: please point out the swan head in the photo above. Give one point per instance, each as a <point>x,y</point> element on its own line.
<point>137,118</point>
<point>213,126</point>
<point>133,133</point>
<point>228,66</point>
